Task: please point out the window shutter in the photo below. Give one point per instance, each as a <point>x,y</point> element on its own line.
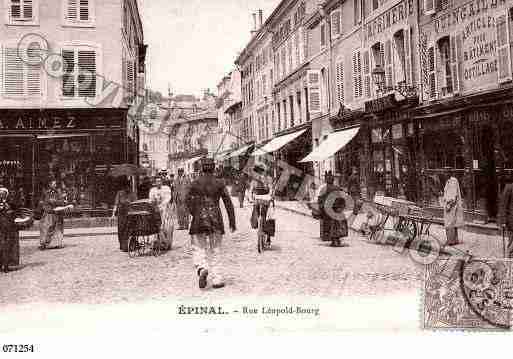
<point>323,35</point>
<point>432,72</point>
<point>87,73</point>
<point>408,59</point>
<point>13,73</point>
<point>366,74</point>
<point>68,78</point>
<point>34,87</point>
<point>340,82</point>
<point>335,24</point>
<point>357,74</point>
<point>291,56</point>
<point>28,10</point>
<point>503,47</point>
<point>456,45</point>
<point>72,11</point>
<point>16,9</point>
<point>84,10</point>
<point>297,36</point>
<point>389,66</point>
<point>314,91</point>
<point>305,45</point>
<point>429,7</point>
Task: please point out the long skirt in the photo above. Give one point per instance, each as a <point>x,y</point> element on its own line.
<point>123,230</point>
<point>168,226</point>
<point>9,246</point>
<point>332,229</point>
<point>51,229</point>
<point>183,216</point>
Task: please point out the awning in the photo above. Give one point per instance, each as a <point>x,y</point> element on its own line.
<point>193,160</point>
<point>334,143</point>
<point>276,143</point>
<point>241,151</point>
<point>221,156</point>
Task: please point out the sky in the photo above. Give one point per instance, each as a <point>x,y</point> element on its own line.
<point>192,44</point>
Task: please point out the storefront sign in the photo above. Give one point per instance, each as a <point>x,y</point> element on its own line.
<point>389,18</point>
<point>34,121</point>
<point>473,15</point>
<point>381,104</point>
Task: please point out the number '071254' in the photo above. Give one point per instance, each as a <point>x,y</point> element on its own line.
<point>18,348</point>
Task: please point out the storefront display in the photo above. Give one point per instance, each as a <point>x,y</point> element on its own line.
<point>77,148</point>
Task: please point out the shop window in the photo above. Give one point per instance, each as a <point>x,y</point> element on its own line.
<point>377,135</point>
<point>397,131</point>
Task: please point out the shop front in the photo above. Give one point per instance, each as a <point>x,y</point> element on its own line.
<point>472,137</point>
<point>389,142</point>
<point>76,147</point>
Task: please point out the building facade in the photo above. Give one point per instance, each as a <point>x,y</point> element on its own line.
<point>154,141</point>
<point>58,120</point>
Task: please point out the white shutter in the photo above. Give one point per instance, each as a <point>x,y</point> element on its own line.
<point>389,65</point>
<point>305,44</point>
<point>366,75</point>
<point>429,7</point>
<point>72,10</point>
<point>87,73</point>
<point>340,82</point>
<point>314,91</point>
<point>357,74</point>
<point>408,58</point>
<point>34,86</point>
<point>455,58</point>
<point>432,73</point>
<point>503,47</point>
<point>335,24</point>
<point>28,10</point>
<point>13,73</point>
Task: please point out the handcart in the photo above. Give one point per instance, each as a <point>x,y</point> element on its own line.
<point>144,235</point>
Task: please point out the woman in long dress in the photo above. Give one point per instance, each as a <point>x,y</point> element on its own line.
<point>182,185</point>
<point>333,224</point>
<point>51,227</point>
<point>453,210</point>
<point>160,196</point>
<point>9,238</point>
<point>121,203</point>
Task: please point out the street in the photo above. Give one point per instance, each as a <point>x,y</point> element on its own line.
<point>91,270</point>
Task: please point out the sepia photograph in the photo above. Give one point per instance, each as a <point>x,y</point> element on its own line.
<point>264,166</point>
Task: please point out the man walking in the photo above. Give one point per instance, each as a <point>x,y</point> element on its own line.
<point>207,228</point>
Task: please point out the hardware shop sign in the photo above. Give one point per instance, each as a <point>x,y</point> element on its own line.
<point>27,121</point>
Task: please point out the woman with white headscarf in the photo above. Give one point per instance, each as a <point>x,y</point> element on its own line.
<point>453,209</point>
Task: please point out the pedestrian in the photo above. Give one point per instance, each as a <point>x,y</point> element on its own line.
<point>453,209</point>
<point>331,204</point>
<point>160,196</point>
<point>506,216</point>
<point>207,228</point>
<point>242,185</point>
<point>9,239</point>
<point>182,185</point>
<point>121,206</point>
<point>51,227</point>
<point>144,188</point>
<point>353,187</point>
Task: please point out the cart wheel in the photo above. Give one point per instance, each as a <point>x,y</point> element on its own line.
<point>409,228</point>
<point>156,246</point>
<point>133,247</point>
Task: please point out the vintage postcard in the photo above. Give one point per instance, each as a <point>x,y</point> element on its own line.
<point>271,166</point>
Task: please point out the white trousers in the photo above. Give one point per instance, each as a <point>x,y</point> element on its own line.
<point>206,253</point>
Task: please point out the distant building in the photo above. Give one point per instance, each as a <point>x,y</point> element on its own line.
<point>154,139</point>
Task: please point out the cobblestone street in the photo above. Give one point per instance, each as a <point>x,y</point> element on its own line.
<point>92,270</point>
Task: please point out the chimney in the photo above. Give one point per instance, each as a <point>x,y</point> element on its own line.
<point>260,18</point>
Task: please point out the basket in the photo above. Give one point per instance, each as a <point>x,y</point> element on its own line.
<point>24,218</point>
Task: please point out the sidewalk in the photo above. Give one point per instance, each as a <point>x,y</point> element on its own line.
<point>479,243</point>
<point>74,232</point>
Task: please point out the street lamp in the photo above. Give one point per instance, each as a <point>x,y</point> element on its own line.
<point>379,78</point>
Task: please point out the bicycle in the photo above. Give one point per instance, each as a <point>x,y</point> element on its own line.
<point>263,238</point>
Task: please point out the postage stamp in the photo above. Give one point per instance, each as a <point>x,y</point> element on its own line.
<point>474,294</point>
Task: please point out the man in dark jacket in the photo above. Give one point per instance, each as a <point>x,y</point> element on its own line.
<point>506,216</point>
<point>207,228</point>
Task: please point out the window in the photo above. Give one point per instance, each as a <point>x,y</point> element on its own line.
<point>375,4</point>
<point>323,35</point>
<point>357,75</point>
<point>314,91</point>
<point>429,7</point>
<point>299,109</point>
<point>432,72</point>
<point>291,103</point>
<point>389,64</point>
<point>291,55</point>
<point>79,78</point>
<point>278,116</point>
<point>284,61</point>
<point>367,75</point>
<point>297,47</point>
<point>284,114</point>
<point>357,12</point>
<point>336,25</point>
<point>20,79</point>
<point>78,12</point>
<point>23,11</point>
<point>504,29</point>
<point>340,82</point>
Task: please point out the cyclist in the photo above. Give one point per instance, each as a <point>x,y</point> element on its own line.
<point>262,196</point>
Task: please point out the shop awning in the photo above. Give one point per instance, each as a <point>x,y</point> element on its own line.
<point>193,160</point>
<point>276,143</point>
<point>241,151</point>
<point>334,143</point>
